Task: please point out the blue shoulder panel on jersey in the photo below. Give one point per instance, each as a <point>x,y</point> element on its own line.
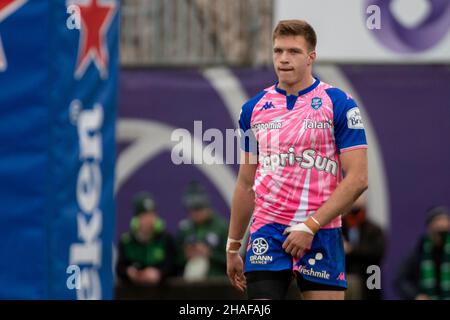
<point>348,127</point>
<point>248,140</point>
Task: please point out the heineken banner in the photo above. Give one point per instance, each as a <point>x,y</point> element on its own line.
<point>58,79</point>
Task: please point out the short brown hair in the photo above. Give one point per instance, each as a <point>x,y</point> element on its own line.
<point>296,28</point>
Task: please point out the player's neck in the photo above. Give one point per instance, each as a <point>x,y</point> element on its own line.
<point>295,88</point>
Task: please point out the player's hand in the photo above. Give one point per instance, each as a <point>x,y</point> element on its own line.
<point>297,243</point>
<point>235,271</point>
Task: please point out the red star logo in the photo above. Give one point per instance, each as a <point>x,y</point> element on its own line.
<point>7,7</point>
<point>96,17</point>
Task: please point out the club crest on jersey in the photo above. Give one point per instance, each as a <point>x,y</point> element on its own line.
<point>316,103</point>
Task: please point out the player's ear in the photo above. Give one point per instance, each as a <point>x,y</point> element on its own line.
<point>311,57</point>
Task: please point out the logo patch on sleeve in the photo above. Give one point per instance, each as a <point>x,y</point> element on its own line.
<point>354,120</point>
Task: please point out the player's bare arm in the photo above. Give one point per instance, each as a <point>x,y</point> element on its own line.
<point>241,211</point>
<point>355,182</point>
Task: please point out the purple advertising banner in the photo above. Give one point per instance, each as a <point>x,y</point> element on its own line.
<point>408,108</point>
<point>422,37</point>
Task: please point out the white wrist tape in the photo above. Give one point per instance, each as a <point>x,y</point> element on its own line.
<point>229,242</point>
<point>299,227</point>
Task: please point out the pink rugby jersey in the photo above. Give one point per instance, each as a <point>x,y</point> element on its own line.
<point>298,140</point>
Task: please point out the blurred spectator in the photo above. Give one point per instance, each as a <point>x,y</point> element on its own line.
<point>363,246</point>
<point>201,237</point>
<point>425,273</point>
<point>146,252</point>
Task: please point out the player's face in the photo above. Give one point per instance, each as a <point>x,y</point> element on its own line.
<point>291,59</point>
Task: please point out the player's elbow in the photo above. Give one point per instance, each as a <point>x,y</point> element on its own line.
<point>247,186</point>
<point>362,181</point>
<point>244,184</point>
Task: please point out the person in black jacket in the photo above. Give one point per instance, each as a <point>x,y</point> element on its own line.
<point>364,246</point>
<point>424,274</point>
<point>147,252</point>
